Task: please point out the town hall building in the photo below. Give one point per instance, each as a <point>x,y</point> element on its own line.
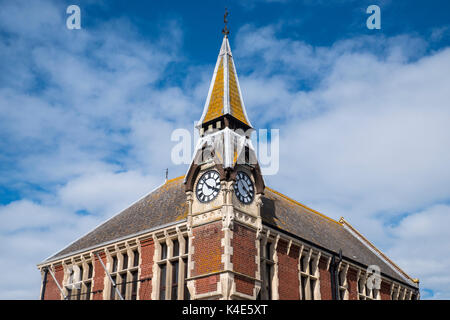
<point>220,233</point>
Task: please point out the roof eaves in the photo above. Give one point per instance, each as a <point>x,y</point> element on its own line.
<point>99,245</point>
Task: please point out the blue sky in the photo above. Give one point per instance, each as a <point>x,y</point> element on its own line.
<point>86,116</point>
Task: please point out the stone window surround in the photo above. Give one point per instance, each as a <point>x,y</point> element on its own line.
<point>119,251</point>
<point>264,262</point>
<point>343,282</point>
<point>274,235</point>
<point>364,293</point>
<point>399,292</point>
<point>73,289</point>
<point>89,255</point>
<point>311,261</point>
<point>168,236</point>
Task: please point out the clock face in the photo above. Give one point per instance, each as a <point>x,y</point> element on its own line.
<point>208,186</point>
<point>243,188</point>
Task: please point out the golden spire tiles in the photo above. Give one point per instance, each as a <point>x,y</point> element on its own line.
<point>224,96</point>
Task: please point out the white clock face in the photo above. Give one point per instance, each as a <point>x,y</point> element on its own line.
<point>243,188</point>
<point>208,186</point>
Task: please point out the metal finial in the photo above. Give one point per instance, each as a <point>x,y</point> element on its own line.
<point>167,174</point>
<point>225,30</point>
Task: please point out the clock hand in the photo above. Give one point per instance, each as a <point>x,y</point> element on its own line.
<point>246,188</point>
<point>242,185</point>
<point>212,187</point>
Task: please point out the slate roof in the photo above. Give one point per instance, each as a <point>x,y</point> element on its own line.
<point>167,204</point>
<point>162,206</point>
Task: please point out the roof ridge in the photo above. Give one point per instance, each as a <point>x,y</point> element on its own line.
<point>304,206</point>
<point>174,179</point>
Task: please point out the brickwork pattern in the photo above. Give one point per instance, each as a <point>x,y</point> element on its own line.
<point>288,282</point>
<point>146,268</point>
<point>324,280</point>
<point>52,292</point>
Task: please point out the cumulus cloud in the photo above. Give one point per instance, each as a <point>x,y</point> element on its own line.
<point>85,131</point>
<point>370,133</point>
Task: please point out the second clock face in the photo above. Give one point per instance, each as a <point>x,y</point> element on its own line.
<point>208,186</point>
<point>243,188</point>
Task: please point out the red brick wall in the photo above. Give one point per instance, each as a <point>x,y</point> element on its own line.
<point>352,284</point>
<point>206,284</point>
<point>244,257</point>
<point>208,249</point>
<point>146,266</point>
<point>99,277</point>
<point>324,280</point>
<point>288,283</point>
<point>385,291</point>
<point>207,256</point>
<point>51,290</point>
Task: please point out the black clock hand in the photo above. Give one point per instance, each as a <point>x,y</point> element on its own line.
<point>211,187</point>
<point>246,188</point>
<point>242,184</point>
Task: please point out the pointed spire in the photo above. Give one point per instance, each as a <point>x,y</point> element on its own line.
<point>224,96</point>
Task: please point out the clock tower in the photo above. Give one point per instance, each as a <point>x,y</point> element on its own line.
<point>224,186</point>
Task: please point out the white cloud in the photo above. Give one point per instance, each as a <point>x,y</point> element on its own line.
<point>78,129</point>
<point>368,116</point>
<point>370,134</point>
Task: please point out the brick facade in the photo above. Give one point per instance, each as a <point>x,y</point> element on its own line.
<point>324,280</point>
<point>352,284</point>
<point>51,291</point>
<point>99,277</point>
<point>289,287</point>
<point>146,269</point>
<point>244,258</point>
<point>207,256</point>
<point>385,291</point>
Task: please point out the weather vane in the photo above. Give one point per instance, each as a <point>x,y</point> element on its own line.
<point>225,30</point>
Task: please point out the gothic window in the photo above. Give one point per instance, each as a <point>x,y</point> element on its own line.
<point>309,280</point>
<point>342,282</point>
<point>366,290</point>
<point>124,272</point>
<point>172,264</point>
<point>79,281</point>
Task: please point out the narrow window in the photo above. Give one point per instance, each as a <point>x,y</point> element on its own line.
<point>302,264</point>
<point>176,248</point>
<point>123,286</point>
<point>81,274</point>
<point>304,281</point>
<point>312,284</point>
<point>134,275</point>
<point>186,246</point>
<point>136,258</point>
<point>174,295</point>
<point>90,270</point>
<point>114,264</point>
<point>187,295</point>
<point>268,267</point>
<point>269,281</point>
<point>163,251</point>
<point>311,266</point>
<point>88,291</point>
<point>112,293</point>
<point>125,262</point>
<point>162,285</point>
